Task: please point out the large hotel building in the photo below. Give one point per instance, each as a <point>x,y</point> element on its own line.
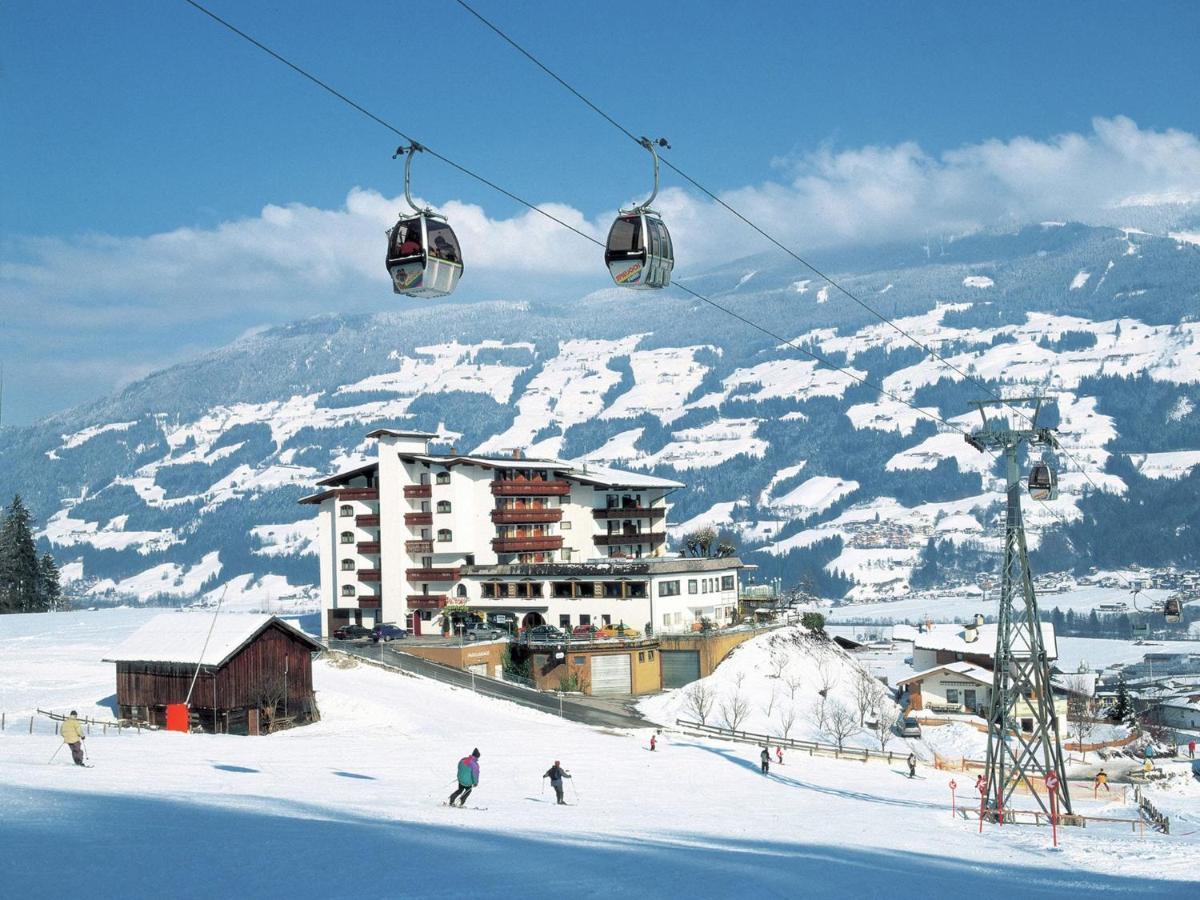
<point>539,540</point>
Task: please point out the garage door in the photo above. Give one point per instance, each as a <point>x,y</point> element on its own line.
<point>610,674</point>
<point>680,667</point>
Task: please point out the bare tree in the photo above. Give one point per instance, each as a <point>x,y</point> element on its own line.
<point>787,718</point>
<point>268,694</point>
<point>827,676</point>
<point>793,681</point>
<point>738,680</point>
<point>866,694</point>
<point>778,663</point>
<point>841,723</point>
<point>769,707</point>
<point>735,710</point>
<point>699,699</point>
<point>1083,709</point>
<point>881,723</point>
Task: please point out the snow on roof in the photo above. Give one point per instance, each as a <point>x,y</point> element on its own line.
<point>619,478</point>
<point>179,637</point>
<point>952,636</point>
<point>965,669</point>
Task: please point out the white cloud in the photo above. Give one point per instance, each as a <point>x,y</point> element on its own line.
<point>296,260</point>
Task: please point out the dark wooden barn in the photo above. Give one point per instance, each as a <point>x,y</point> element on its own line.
<point>251,673</point>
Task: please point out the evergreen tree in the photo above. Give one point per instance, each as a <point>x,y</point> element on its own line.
<point>18,561</point>
<point>50,595</point>
<point>1121,706</point>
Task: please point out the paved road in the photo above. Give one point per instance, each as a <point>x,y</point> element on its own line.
<point>599,712</point>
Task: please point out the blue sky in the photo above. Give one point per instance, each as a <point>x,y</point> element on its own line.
<point>143,143</point>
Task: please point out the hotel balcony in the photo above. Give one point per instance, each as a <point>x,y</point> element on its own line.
<point>431,574</point>
<point>426,601</point>
<point>369,548</point>
<point>369,575</point>
<point>525,516</point>
<point>645,537</point>
<point>418,518</point>
<point>418,490</point>
<point>530,488</point>
<point>371,521</point>
<point>524,544</point>
<point>370,603</point>
<point>630,512</point>
<point>418,546</point>
<point>357,493</point>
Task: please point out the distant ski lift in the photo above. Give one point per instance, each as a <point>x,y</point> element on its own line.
<point>1173,610</point>
<point>423,256</point>
<point>1043,482</point>
<point>638,252</point>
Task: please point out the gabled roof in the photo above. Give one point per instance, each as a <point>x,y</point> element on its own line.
<point>963,669</point>
<point>950,636</point>
<point>179,637</point>
<point>342,477</point>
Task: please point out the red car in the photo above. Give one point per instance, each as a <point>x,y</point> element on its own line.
<point>584,632</point>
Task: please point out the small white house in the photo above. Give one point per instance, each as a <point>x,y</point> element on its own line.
<point>958,687</point>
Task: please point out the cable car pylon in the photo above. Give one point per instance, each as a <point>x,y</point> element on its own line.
<point>1024,746</point>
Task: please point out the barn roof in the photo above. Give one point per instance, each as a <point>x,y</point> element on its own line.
<point>179,637</point>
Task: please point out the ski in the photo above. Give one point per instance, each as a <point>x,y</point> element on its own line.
<point>456,806</point>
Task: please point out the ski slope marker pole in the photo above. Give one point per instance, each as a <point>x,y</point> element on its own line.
<point>953,788</point>
<point>1052,788</point>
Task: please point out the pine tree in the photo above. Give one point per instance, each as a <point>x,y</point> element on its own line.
<point>1121,706</point>
<point>50,594</point>
<point>18,561</point>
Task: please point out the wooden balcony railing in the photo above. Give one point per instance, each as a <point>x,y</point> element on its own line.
<point>420,546</point>
<point>630,512</point>
<point>426,601</point>
<point>520,516</point>
<point>370,603</point>
<point>418,490</point>
<point>371,548</point>
<point>371,521</point>
<point>357,493</point>
<point>555,487</point>
<point>418,518</point>
<point>523,544</point>
<point>431,574</point>
<point>646,537</point>
<point>370,575</point>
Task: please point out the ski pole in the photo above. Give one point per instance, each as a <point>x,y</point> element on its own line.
<point>575,789</point>
<point>60,746</point>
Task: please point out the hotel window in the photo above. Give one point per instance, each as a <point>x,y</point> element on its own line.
<point>564,621</point>
<point>347,537</point>
<point>443,506</point>
<point>704,585</point>
<point>443,477</point>
<point>347,590</point>
<point>444,534</point>
<point>727,582</point>
<point>668,588</point>
<point>347,565</point>
<point>952,695</point>
<point>565,526</point>
<point>650,655</point>
<point>693,586</point>
<point>346,510</point>
<point>566,554</point>
<point>461,590</point>
<point>666,618</point>
<point>641,656</point>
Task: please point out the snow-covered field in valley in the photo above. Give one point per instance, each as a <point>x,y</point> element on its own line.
<point>351,806</point>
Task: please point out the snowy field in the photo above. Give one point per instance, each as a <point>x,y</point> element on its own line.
<point>350,806</point>
<point>947,607</point>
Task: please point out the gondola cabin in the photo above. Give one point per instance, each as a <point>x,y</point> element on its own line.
<point>1173,610</point>
<point>423,257</point>
<point>639,252</point>
<point>246,674</point>
<point>1043,482</point>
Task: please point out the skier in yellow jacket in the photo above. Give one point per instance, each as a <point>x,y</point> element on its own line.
<point>72,735</point>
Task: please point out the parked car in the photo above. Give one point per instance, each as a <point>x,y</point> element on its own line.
<point>620,630</point>
<point>584,632</point>
<point>545,634</point>
<point>387,631</point>
<point>352,633</point>
<point>910,727</point>
<point>481,631</point>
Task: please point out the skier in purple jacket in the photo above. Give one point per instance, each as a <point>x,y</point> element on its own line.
<point>468,777</point>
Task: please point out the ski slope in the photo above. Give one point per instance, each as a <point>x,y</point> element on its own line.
<point>351,806</point>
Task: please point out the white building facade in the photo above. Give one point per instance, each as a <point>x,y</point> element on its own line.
<point>542,541</point>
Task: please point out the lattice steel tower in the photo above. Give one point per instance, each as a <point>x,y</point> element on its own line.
<point>1021,690</point>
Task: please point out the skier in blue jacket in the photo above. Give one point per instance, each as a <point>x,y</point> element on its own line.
<point>468,777</point>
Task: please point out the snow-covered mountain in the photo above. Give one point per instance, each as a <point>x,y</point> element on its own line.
<point>188,479</point>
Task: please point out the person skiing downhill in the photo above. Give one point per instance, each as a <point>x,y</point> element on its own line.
<point>468,777</point>
<point>1192,749</point>
<point>653,743</point>
<point>912,765</point>
<point>1101,781</point>
<point>779,755</point>
<point>72,735</point>
<point>765,756</point>
<point>556,774</point>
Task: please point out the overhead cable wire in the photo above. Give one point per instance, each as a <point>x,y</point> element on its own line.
<point>754,226</point>
<point>466,171</point>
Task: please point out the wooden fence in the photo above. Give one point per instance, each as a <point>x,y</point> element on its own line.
<point>812,748</point>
